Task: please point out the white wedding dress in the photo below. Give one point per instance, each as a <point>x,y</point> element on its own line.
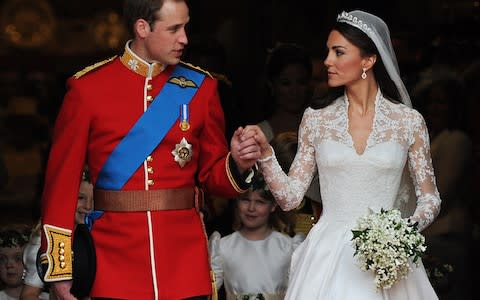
<point>323,266</point>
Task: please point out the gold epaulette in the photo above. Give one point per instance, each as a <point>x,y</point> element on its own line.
<point>189,65</point>
<point>93,67</point>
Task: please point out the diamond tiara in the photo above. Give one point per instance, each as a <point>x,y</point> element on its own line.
<point>345,17</point>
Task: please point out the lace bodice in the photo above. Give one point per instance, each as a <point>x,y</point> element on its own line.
<point>351,182</point>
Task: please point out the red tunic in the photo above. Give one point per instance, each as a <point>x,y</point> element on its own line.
<point>140,255</point>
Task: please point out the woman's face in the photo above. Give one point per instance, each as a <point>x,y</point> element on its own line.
<point>85,201</point>
<point>11,266</point>
<point>291,88</point>
<point>343,62</point>
<point>254,210</point>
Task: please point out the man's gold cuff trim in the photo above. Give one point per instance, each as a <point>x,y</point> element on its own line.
<point>58,254</point>
<point>231,177</point>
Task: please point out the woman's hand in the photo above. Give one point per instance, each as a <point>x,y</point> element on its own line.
<point>253,131</point>
<point>245,151</point>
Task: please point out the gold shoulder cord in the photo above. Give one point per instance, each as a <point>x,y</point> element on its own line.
<point>189,65</point>
<point>93,67</point>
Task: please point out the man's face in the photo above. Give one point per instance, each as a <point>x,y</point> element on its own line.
<point>167,38</point>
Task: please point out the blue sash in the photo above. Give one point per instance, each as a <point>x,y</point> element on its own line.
<point>150,129</point>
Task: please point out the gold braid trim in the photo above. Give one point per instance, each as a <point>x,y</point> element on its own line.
<point>214,295</point>
<point>189,65</point>
<point>58,254</point>
<point>231,177</point>
<point>93,67</point>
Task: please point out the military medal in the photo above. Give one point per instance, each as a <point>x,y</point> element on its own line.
<point>184,117</point>
<point>182,152</point>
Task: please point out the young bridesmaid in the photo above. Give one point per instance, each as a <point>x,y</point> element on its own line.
<point>253,261</point>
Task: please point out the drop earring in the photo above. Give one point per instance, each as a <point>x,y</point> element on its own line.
<point>364,75</point>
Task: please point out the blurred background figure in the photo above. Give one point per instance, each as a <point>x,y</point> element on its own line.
<point>288,72</point>
<point>471,78</point>
<point>319,84</point>
<point>13,239</point>
<point>441,99</point>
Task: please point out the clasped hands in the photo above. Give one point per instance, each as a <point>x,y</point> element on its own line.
<point>248,145</point>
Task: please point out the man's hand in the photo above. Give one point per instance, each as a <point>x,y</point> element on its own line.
<point>244,149</point>
<point>255,132</point>
<point>61,290</point>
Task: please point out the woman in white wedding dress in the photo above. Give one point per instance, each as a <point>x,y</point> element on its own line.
<point>360,140</point>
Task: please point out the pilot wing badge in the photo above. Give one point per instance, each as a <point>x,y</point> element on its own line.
<point>183,82</point>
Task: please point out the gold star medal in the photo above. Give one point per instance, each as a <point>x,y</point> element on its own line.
<point>182,152</point>
<point>184,117</point>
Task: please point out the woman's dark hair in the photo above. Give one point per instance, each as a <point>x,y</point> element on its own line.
<point>367,48</point>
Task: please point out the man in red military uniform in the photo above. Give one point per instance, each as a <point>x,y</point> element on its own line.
<point>151,129</point>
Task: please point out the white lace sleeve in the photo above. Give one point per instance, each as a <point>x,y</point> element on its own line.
<point>215,258</point>
<point>421,170</point>
<point>289,189</point>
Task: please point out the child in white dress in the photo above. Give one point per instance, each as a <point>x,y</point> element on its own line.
<point>253,262</point>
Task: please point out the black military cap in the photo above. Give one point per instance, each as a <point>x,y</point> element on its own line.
<point>84,262</point>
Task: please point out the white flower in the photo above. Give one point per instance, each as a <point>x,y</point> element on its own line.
<point>133,64</point>
<point>386,243</point>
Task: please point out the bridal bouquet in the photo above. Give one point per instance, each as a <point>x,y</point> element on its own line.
<point>385,243</point>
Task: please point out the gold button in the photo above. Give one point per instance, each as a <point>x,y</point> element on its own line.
<point>149,87</point>
<point>150,170</point>
<point>149,158</point>
<point>149,98</point>
<point>61,251</point>
<point>61,258</point>
<point>150,182</point>
<point>63,265</point>
<point>61,245</point>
